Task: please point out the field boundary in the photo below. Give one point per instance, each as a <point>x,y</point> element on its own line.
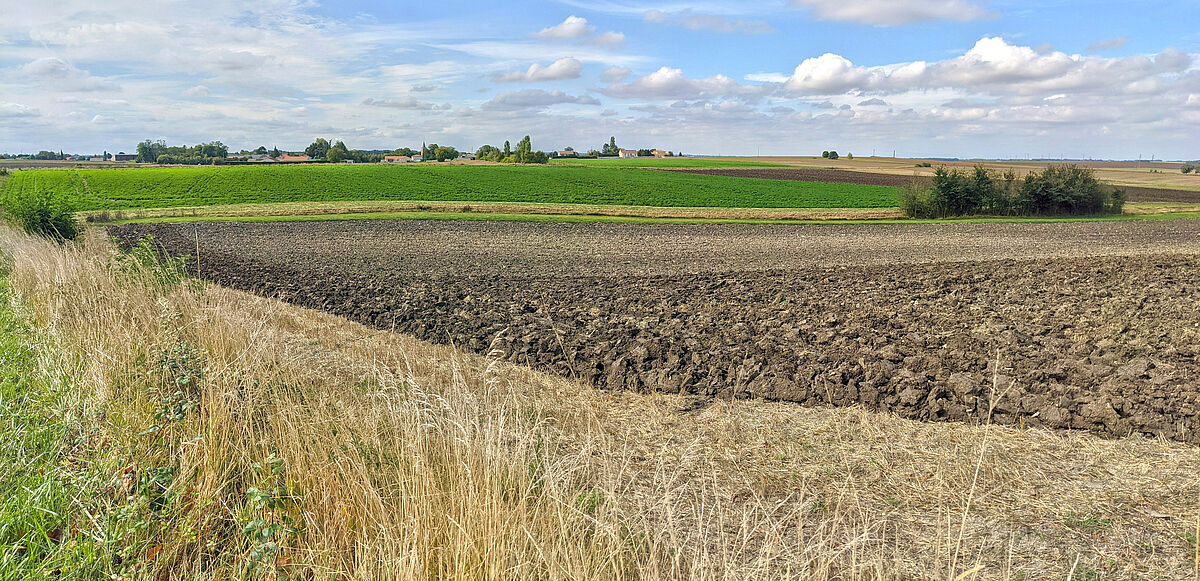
<point>475,211</point>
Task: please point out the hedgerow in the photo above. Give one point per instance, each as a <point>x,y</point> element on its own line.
<point>1056,190</point>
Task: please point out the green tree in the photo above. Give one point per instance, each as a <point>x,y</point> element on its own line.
<point>318,149</point>
<point>610,148</point>
<point>524,149</point>
<point>336,154</point>
<point>825,154</point>
<point>507,149</point>
<point>488,153</point>
<point>833,155</point>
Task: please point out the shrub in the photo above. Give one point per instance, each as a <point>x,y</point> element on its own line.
<point>919,202</point>
<point>924,164</point>
<point>833,155</point>
<point>1188,168</point>
<point>1056,190</point>
<point>42,214</point>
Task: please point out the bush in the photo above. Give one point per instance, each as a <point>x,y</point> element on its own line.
<point>42,214</point>
<point>1056,190</point>
<point>1188,168</point>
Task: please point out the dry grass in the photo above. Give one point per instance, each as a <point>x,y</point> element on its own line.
<point>398,459</point>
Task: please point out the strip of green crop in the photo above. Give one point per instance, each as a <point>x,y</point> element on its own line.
<point>204,186</point>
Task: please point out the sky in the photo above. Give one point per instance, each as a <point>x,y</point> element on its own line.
<point>917,78</point>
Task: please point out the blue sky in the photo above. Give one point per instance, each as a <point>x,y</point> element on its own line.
<point>962,78</point>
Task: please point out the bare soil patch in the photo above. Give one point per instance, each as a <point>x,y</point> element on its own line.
<point>875,315</point>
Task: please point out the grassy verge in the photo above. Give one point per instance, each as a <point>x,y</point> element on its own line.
<point>847,217</point>
<point>42,480</point>
<point>239,437</point>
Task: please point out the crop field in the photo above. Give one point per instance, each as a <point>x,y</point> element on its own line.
<point>918,320</point>
<point>666,162</point>
<point>205,186</point>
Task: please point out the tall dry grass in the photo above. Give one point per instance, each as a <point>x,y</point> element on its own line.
<point>248,438</point>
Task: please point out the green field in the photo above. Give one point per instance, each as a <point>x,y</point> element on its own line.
<point>680,162</point>
<point>159,187</point>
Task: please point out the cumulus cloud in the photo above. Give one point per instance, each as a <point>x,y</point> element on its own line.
<point>894,12</point>
<point>535,99</point>
<point>992,65</point>
<point>571,28</point>
<point>875,102</point>
<point>563,68</point>
<point>669,83</point>
<point>615,74</point>
<point>827,74</point>
<point>717,23</point>
<point>1110,44</point>
<point>767,77</point>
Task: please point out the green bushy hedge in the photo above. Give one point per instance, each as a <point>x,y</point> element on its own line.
<point>1054,191</point>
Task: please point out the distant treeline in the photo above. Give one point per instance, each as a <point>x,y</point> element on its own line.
<point>1054,191</point>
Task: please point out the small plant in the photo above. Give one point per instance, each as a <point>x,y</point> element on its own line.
<point>924,164</point>
<point>1189,168</point>
<point>274,514</point>
<point>166,271</point>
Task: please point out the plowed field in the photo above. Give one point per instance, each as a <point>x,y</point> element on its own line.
<point>1090,326</point>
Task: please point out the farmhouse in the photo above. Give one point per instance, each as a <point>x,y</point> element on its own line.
<point>467,156</point>
<point>658,153</point>
<point>294,157</point>
<point>417,159</point>
<point>567,153</point>
<point>628,153</point>
<point>124,157</point>
<point>396,159</point>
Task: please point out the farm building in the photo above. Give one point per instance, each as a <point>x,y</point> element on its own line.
<point>567,153</point>
<point>396,159</point>
<point>628,153</point>
<point>465,155</point>
<point>658,153</point>
<point>417,159</point>
<point>124,157</point>
<point>294,157</point>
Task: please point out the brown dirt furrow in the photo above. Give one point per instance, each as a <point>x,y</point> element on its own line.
<point>1102,344</point>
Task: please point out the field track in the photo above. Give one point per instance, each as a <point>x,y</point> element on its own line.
<point>836,176</point>
<point>903,318</point>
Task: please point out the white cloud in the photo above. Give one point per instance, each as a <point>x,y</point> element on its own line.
<point>564,68</point>
<point>571,28</point>
<point>197,91</point>
<point>535,99</point>
<point>1110,44</point>
<point>405,103</point>
<point>16,110</point>
<point>894,12</point>
<point>669,83</point>
<point>691,20</point>
<point>767,77</point>
<point>607,39</point>
<point>873,102</point>
<point>615,74</point>
<point>827,74</point>
<point>59,74</point>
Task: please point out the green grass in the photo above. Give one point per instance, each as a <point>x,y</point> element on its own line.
<point>40,482</point>
<point>96,189</point>
<point>680,162</point>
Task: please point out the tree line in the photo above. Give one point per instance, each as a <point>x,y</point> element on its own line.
<point>524,153</point>
<point>1056,190</point>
